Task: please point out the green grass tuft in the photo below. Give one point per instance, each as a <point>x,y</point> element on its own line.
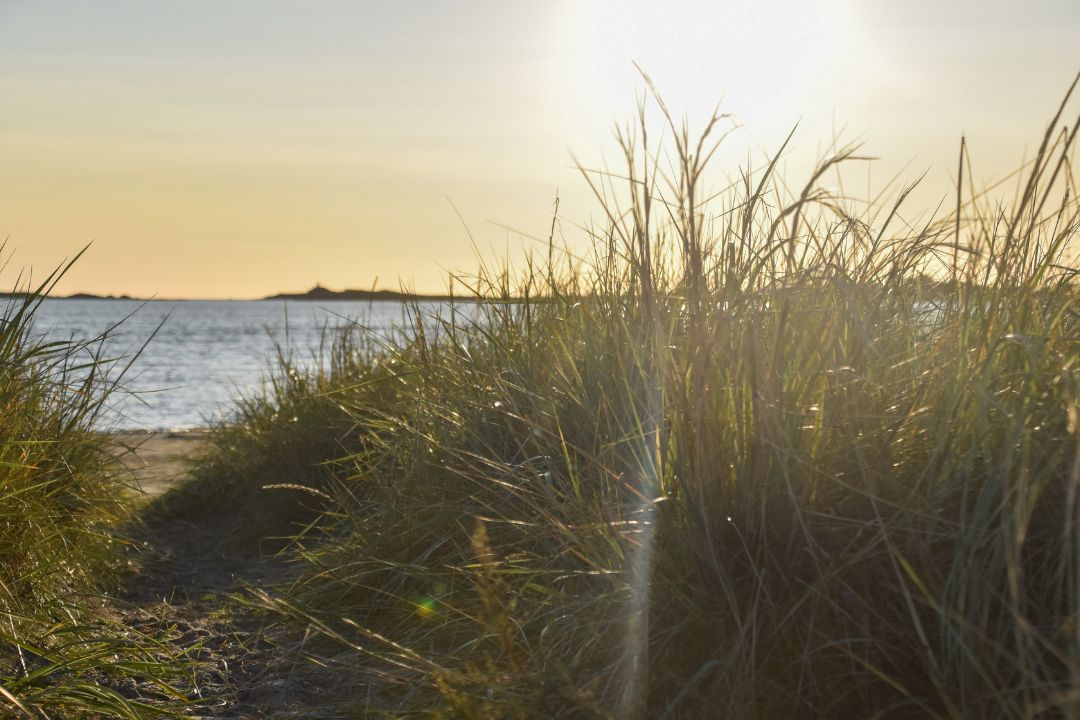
<point>61,503</point>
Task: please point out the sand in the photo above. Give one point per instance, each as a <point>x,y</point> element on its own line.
<point>184,573</point>
<point>158,460</point>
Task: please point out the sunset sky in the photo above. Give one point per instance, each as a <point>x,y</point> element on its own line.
<point>236,149</point>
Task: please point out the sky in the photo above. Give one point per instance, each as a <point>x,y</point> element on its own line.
<point>216,149</point>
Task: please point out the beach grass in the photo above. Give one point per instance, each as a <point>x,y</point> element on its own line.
<point>758,452</point>
<point>62,502</point>
<point>757,455</point>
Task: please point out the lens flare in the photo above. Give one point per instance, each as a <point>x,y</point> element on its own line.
<point>425,608</point>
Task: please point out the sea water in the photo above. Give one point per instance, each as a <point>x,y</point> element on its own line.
<point>188,360</point>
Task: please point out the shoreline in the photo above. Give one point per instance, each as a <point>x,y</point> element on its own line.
<point>157,459</point>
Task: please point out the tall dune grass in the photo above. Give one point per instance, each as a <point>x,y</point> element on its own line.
<point>758,457</point>
<point>61,501</point>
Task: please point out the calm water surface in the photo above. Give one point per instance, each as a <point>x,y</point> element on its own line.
<point>205,352</point>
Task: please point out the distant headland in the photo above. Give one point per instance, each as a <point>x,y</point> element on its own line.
<point>320,293</point>
<point>91,296</point>
<point>77,296</point>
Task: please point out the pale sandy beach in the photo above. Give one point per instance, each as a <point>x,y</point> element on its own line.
<point>158,460</point>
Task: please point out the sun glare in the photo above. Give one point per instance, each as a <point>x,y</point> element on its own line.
<point>762,60</point>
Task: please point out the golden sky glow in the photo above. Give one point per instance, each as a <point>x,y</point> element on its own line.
<point>235,149</point>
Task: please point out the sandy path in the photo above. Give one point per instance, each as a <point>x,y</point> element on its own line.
<point>185,576</point>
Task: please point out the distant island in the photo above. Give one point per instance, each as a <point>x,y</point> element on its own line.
<point>77,296</point>
<point>91,296</point>
<point>320,293</point>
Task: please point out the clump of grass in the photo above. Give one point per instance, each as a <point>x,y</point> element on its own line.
<point>267,463</point>
<point>58,499</point>
<point>61,501</point>
<point>761,456</point>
